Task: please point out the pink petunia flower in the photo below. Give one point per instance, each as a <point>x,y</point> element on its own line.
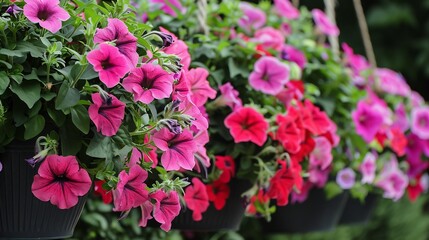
<point>321,155</point>
<point>169,6</point>
<point>181,87</point>
<point>60,181</point>
<point>253,18</point>
<point>229,97</point>
<point>323,23</point>
<point>318,177</point>
<point>149,82</point>
<point>47,13</point>
<point>196,199</point>
<point>392,82</point>
<point>200,87</point>
<point>392,180</point>
<point>188,107</point>
<point>301,196</point>
<point>269,38</point>
<point>368,168</point>
<point>292,54</point>
<point>178,149</point>
<point>286,9</point>
<point>110,64</point>
<point>117,32</point>
<point>401,119</point>
<point>416,99</point>
<point>201,138</point>
<point>420,122</point>
<point>269,75</point>
<point>358,63</point>
<point>367,121</point>
<point>346,178</point>
<point>178,48</point>
<point>106,114</point>
<point>167,207</point>
<point>247,125</point>
<point>146,209</point>
<point>131,190</point>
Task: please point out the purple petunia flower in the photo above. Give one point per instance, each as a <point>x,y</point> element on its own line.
<point>392,180</point>
<point>290,53</point>
<point>346,178</point>
<point>420,122</point>
<point>253,18</point>
<point>286,9</point>
<point>47,13</point>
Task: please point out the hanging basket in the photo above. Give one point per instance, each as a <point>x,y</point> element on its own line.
<point>315,214</point>
<point>23,216</point>
<point>357,212</point>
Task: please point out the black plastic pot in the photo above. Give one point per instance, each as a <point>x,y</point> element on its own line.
<point>357,212</point>
<point>23,216</point>
<point>315,214</point>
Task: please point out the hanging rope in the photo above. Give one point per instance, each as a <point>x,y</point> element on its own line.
<point>364,32</point>
<point>202,16</point>
<point>295,3</point>
<point>330,12</point>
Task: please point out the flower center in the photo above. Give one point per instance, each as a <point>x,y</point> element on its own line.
<point>106,64</point>
<point>423,122</point>
<point>60,178</point>
<point>44,14</point>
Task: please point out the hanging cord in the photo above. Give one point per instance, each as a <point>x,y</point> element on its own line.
<point>295,3</point>
<point>202,16</point>
<point>364,32</point>
<point>330,11</point>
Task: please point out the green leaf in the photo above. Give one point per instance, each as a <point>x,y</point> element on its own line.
<point>67,97</point>
<point>57,116</point>
<point>34,50</point>
<point>332,190</point>
<point>100,147</point>
<point>70,139</point>
<point>34,127</point>
<point>4,82</point>
<point>28,92</point>
<point>11,53</point>
<point>80,118</point>
<point>235,70</point>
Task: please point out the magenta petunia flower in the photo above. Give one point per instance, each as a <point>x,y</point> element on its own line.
<point>318,177</point>
<point>131,190</point>
<point>110,64</point>
<point>253,18</point>
<point>200,87</point>
<point>197,199</point>
<point>178,149</point>
<point>169,6</point>
<point>201,138</point>
<point>368,168</point>
<point>181,87</point>
<point>106,114</point>
<point>269,75</point>
<point>367,120</point>
<point>149,82</point>
<point>269,38</point>
<point>358,63</point>
<point>167,207</point>
<point>346,178</point>
<point>323,23</point>
<point>229,97</point>
<point>117,32</point>
<point>392,82</point>
<point>416,99</point>
<point>146,210</point>
<point>321,155</point>
<point>47,13</point>
<point>286,9</point>
<point>392,180</point>
<point>420,122</point>
<point>247,125</point>
<point>401,119</point>
<point>61,181</point>
<point>189,108</point>
<point>292,54</point>
<point>178,48</point>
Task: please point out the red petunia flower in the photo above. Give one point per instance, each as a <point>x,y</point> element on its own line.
<point>259,199</point>
<point>227,165</point>
<point>289,134</point>
<point>399,142</point>
<point>283,182</point>
<point>99,190</point>
<point>415,189</point>
<point>196,199</point>
<point>218,193</point>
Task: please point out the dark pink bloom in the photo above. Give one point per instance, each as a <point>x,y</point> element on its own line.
<point>117,32</point>
<point>188,107</point>
<point>401,119</point>
<point>269,75</point>
<point>318,177</point>
<point>169,6</point>
<point>201,138</point>
<point>178,149</point>
<point>106,114</point>
<point>229,97</point>
<point>286,9</point>
<point>346,178</point>
<point>321,155</point>
<point>416,99</point>
<point>110,64</point>
<point>200,87</point>
<point>61,181</point>
<point>253,18</point>
<point>368,168</point>
<point>181,87</point>
<point>131,190</point>
<point>227,165</point>
<point>178,48</point>
<point>323,23</point>
<point>47,13</point>
<point>146,209</point>
<point>392,180</point>
<point>292,54</point>
<point>358,63</point>
<point>420,122</point>
<point>367,121</point>
<point>269,38</point>
<point>196,199</point>
<point>167,207</point>
<point>149,82</point>
<point>392,82</point>
<point>301,196</point>
<point>247,125</point>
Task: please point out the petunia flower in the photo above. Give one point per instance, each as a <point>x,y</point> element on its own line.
<point>401,120</point>
<point>167,207</point>
<point>106,113</point>
<point>283,182</point>
<point>286,9</point>
<point>256,200</point>
<point>227,165</point>
<point>292,54</point>
<point>346,178</point>
<point>416,99</point>
<point>420,122</point>
<point>178,149</point>
<point>368,168</point>
<point>357,63</point>
<point>169,6</point>
<point>228,97</point>
<point>289,133</point>
<point>301,196</point>
<point>269,75</point>
<point>178,48</point>
<point>107,196</point>
<point>218,193</point>
<point>110,64</point>
<point>367,121</point>
<point>323,23</point>
<point>196,199</point>
<point>392,82</point>
<point>130,192</point>
<point>188,107</point>
<point>200,87</point>
<point>149,82</point>
<point>318,177</point>
<point>146,210</point>
<point>47,13</point>
<point>201,138</point>
<point>117,32</point>
<point>247,125</point>
<point>253,18</point>
<point>269,38</point>
<point>392,180</point>
<point>398,141</point>
<point>13,10</point>
<point>60,181</point>
<point>322,154</point>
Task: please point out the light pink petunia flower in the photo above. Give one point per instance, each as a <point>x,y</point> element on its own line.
<point>269,75</point>
<point>368,168</point>
<point>269,38</point>
<point>392,82</point>
<point>110,64</point>
<point>47,13</point>
<point>189,108</point>
<point>178,149</point>
<point>201,138</point>
<point>149,82</point>
<point>401,120</point>
<point>117,32</point>
<point>321,155</point>
<point>318,177</point>
<point>253,17</point>
<point>200,87</point>
<point>323,23</point>
<point>416,99</point>
<point>286,9</point>
<point>106,114</point>
<point>169,6</point>
<point>367,120</point>
<point>420,122</point>
<point>167,207</point>
<point>392,180</point>
<point>292,54</point>
<point>61,181</point>
<point>346,178</point>
<point>229,97</point>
